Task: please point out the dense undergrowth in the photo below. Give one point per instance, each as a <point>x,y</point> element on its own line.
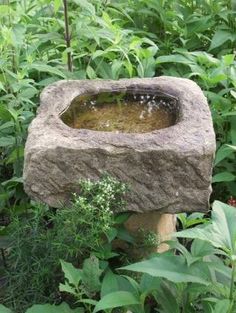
<point>112,40</point>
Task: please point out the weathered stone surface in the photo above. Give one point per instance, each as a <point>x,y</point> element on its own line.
<point>168,170</point>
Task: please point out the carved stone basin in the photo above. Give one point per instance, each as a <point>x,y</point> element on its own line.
<point>168,169</point>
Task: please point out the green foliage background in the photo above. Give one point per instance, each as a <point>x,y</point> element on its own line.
<point>114,39</point>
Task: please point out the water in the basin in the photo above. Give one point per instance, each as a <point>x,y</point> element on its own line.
<point>121,112</point>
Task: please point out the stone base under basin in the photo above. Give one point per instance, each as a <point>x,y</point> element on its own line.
<point>168,170</point>
<point>163,225</point>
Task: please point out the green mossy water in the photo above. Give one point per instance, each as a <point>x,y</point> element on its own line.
<point>121,112</point>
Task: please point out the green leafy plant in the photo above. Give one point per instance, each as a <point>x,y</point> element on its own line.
<point>40,239</point>
<point>199,280</point>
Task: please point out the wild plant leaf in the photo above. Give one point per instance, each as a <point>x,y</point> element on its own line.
<point>232,147</point>
<point>171,267</point>
<point>12,181</point>
<point>198,25</point>
<point>67,288</point>
<point>200,248</point>
<point>57,4</point>
<point>7,141</point>
<point>233,93</point>
<point>111,234</point>
<point>220,37</point>
<point>223,152</point>
<point>18,35</point>
<point>228,59</point>
<point>91,274</point>
<point>109,283</point>
<point>223,177</point>
<point>233,129</point>
<point>174,58</point>
<point>221,232</point>
<point>115,300</point>
<point>149,283</point>
<point>167,298</point>
<point>2,87</point>
<point>3,309</point>
<point>15,155</point>
<point>123,234</point>
<point>222,306</point>
<point>90,72</point>
<point>5,115</point>
<point>86,5</point>
<point>41,67</point>
<point>113,282</point>
<point>50,308</point>
<point>134,285</point>
<point>5,9</point>
<point>74,275</point>
<point>121,218</point>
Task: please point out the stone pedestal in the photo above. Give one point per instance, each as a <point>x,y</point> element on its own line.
<point>163,225</point>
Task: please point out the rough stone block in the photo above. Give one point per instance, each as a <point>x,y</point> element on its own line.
<point>168,170</point>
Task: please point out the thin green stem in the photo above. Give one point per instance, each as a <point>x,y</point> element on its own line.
<point>67,37</point>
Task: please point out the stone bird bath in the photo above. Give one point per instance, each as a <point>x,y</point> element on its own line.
<point>168,169</point>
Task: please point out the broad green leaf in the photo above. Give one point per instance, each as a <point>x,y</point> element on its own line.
<point>7,141</point>
<point>149,283</point>
<point>90,72</point>
<point>17,153</point>
<point>86,5</point>
<point>109,283</point>
<point>111,234</point>
<point>233,93</point>
<point>18,35</point>
<point>228,59</point>
<point>232,147</point>
<point>221,233</point>
<point>171,267</point>
<point>73,274</point>
<point>67,288</point>
<point>5,9</point>
<point>222,306</point>
<point>222,153</point>
<point>91,274</point>
<point>5,115</point>
<point>41,67</point>
<point>3,309</point>
<point>198,25</point>
<point>174,58</point>
<point>167,298</point>
<point>50,308</point>
<point>220,37</point>
<point>222,177</point>
<point>121,218</point>
<point>124,235</point>
<point>200,248</point>
<point>2,87</point>
<point>115,300</point>
<point>113,282</point>
<point>13,181</point>
<point>57,5</point>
